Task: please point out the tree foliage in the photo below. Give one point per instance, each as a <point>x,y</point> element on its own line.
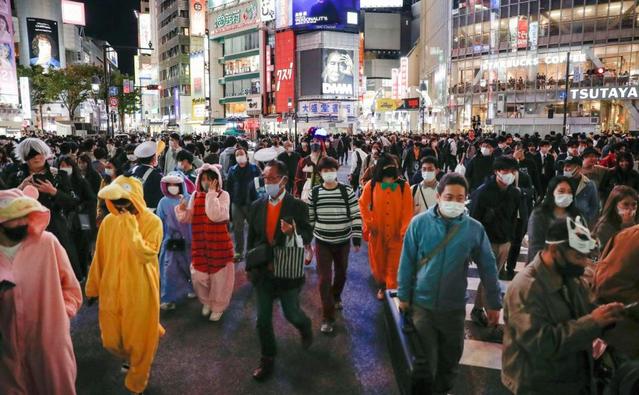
<point>72,85</point>
<point>128,103</point>
<point>42,91</point>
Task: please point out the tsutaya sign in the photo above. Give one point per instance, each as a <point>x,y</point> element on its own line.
<point>623,93</point>
<point>526,61</point>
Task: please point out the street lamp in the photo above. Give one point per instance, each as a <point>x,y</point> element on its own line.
<point>49,116</point>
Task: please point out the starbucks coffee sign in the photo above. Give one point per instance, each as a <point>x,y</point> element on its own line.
<point>605,93</point>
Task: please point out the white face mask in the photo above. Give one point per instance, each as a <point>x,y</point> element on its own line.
<point>507,178</point>
<point>451,209</point>
<point>241,159</point>
<point>131,158</point>
<point>563,200</point>
<point>329,176</point>
<point>485,151</point>
<point>428,176</point>
<point>108,172</point>
<point>289,149</point>
<point>173,189</point>
<point>68,170</point>
<point>627,212</point>
<point>569,173</point>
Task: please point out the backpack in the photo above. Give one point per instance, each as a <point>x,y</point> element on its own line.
<point>400,181</point>
<point>343,190</point>
<point>358,167</point>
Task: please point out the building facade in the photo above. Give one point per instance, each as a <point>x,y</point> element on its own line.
<point>510,60</point>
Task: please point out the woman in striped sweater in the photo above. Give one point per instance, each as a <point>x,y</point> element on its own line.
<point>212,269</point>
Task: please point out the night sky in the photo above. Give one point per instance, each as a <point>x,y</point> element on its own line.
<point>114,21</point>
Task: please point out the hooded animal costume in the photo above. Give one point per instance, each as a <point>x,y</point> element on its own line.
<point>124,276</point>
<point>212,271</point>
<point>175,275</point>
<point>38,295</point>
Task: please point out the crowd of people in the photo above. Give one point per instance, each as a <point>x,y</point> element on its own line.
<point>145,222</point>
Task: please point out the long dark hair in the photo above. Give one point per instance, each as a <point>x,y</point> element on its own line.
<point>609,213</point>
<point>548,205</point>
<point>384,160</point>
<point>75,173</point>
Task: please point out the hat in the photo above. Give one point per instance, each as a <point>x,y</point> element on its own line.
<point>589,151</point>
<point>30,147</point>
<point>575,160</point>
<point>505,162</point>
<point>146,150</point>
<point>173,178</point>
<point>15,203</point>
<point>265,154</point>
<point>490,142</point>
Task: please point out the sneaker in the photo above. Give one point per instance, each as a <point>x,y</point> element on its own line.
<point>206,311</point>
<point>191,295</point>
<point>497,334</point>
<point>265,370</point>
<point>215,317</point>
<point>237,258</point>
<point>479,317</point>
<point>339,306</point>
<point>327,327</point>
<point>125,367</point>
<point>167,306</point>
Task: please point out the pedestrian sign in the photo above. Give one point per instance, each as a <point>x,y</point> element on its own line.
<point>113,91</point>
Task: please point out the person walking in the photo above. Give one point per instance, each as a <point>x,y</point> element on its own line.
<point>336,221</point>
<point>39,295</point>
<point>273,220</point>
<point>425,191</point>
<point>386,207</point>
<point>124,277</point>
<point>432,279</point>
<point>146,171</point>
<point>212,271</point>
<point>175,255</point>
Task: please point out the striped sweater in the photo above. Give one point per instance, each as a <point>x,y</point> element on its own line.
<point>329,217</point>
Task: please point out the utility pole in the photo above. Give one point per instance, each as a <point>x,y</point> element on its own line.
<point>106,88</point>
<point>565,131</point>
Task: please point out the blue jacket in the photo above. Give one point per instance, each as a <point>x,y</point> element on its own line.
<point>587,200</point>
<point>441,284</point>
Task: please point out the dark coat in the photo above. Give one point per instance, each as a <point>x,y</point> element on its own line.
<point>152,190</point>
<point>479,169</point>
<point>497,210</point>
<point>292,210</point>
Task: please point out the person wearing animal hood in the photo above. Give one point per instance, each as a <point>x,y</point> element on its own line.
<point>175,255</point>
<point>212,269</point>
<point>124,276</point>
<point>38,295</point>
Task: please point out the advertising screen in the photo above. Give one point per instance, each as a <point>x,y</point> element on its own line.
<point>144,33</point>
<point>43,43</point>
<point>338,72</point>
<point>522,32</point>
<point>8,80</point>
<point>284,70</point>
<point>381,3</point>
<point>73,13</point>
<point>326,14</point>
<point>197,74</point>
<point>283,14</point>
<point>197,17</point>
<point>310,72</point>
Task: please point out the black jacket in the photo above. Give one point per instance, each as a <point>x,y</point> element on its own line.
<point>479,168</point>
<point>292,210</point>
<point>291,162</point>
<point>151,187</point>
<point>497,210</point>
<point>618,177</point>
<point>546,169</point>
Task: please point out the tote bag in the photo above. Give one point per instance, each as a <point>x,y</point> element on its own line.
<point>288,260</point>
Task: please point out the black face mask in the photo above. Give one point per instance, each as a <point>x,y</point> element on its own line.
<point>389,172</point>
<point>567,269</point>
<point>16,234</point>
<point>316,147</point>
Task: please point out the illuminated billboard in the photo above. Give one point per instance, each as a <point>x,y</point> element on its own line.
<point>340,15</point>
<point>197,17</point>
<point>327,72</point>
<point>44,49</point>
<point>197,74</point>
<point>144,33</point>
<point>284,70</point>
<point>8,77</point>
<point>381,3</point>
<point>283,14</point>
<point>73,13</point>
<point>233,19</point>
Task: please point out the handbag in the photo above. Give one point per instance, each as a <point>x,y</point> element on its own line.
<point>259,256</point>
<point>289,259</point>
<point>176,244</point>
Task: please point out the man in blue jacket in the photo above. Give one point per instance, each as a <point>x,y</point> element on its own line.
<point>587,195</point>
<point>435,289</point>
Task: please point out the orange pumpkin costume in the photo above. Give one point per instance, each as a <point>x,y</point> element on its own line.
<point>385,227</point>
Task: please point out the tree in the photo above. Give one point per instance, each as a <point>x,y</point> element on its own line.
<point>72,85</point>
<point>41,87</point>
<point>128,103</point>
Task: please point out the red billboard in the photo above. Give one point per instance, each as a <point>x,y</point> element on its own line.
<point>284,71</point>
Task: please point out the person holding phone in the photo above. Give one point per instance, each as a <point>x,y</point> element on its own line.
<point>271,220</point>
<point>54,188</point>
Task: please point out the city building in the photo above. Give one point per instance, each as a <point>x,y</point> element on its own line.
<point>174,46</point>
<point>510,61</point>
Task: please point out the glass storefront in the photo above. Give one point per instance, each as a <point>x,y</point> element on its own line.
<point>509,57</point>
